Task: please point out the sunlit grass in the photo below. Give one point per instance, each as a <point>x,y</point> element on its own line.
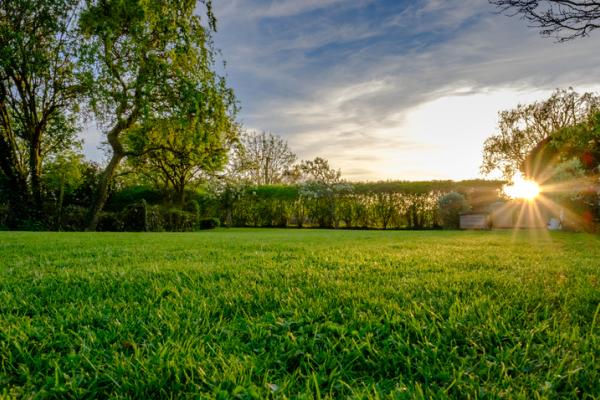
<point>299,314</point>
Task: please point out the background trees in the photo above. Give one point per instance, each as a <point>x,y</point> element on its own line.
<point>178,152</point>
<point>564,19</point>
<point>38,90</point>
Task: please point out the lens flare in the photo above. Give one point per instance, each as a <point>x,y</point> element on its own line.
<point>522,189</point>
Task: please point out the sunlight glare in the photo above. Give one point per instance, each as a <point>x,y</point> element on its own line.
<point>522,188</point>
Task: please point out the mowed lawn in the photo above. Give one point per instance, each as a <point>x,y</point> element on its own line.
<point>247,313</point>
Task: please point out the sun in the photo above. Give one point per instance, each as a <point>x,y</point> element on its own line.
<point>522,189</point>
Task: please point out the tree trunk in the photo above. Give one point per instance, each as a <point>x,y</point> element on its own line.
<point>180,192</point>
<point>35,172</point>
<point>102,191</point>
<point>61,199</point>
<point>109,171</point>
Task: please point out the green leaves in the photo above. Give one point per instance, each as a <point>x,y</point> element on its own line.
<point>522,129</point>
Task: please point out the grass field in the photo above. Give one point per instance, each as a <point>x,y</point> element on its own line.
<point>299,314</point>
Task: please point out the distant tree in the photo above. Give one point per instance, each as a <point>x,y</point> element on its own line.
<point>526,126</point>
<point>263,158</point>
<point>564,19</point>
<point>149,60</point>
<point>385,206</point>
<point>321,187</point>
<point>450,206</point>
<point>38,89</point>
<point>317,170</point>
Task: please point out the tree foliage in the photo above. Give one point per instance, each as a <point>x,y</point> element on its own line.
<point>38,90</point>
<point>149,61</point>
<point>179,151</point>
<point>521,129</point>
<point>263,158</point>
<point>564,19</point>
<point>450,206</point>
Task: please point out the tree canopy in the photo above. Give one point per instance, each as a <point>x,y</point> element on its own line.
<point>38,92</point>
<point>150,61</point>
<point>263,158</point>
<point>523,128</point>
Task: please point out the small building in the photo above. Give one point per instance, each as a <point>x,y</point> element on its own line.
<point>502,215</point>
<point>474,220</point>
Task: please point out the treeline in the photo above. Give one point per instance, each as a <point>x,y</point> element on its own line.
<point>342,205</point>
<point>379,205</point>
<point>177,159</point>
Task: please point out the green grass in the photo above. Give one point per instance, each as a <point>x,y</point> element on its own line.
<point>299,314</point>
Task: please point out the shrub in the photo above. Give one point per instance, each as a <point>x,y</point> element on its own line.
<point>450,206</point>
<point>193,207</point>
<point>154,220</point>
<point>209,223</point>
<point>73,218</point>
<point>110,222</point>
<point>176,220</point>
<point>133,195</point>
<point>135,217</point>
<point>3,217</point>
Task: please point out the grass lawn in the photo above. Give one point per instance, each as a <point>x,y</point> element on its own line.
<point>247,313</point>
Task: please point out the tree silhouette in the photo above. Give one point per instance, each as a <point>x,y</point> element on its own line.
<point>563,19</point>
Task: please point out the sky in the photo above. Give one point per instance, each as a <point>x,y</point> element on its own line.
<point>389,89</point>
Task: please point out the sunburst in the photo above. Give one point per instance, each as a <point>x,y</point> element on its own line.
<point>522,188</point>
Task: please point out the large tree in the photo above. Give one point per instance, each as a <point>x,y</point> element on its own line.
<point>523,128</point>
<point>38,89</point>
<point>564,19</point>
<point>149,60</point>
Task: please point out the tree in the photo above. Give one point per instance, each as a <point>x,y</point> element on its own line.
<point>318,170</point>
<point>526,126</point>
<point>263,159</point>
<point>564,19</point>
<point>38,89</point>
<point>321,186</point>
<point>582,142</point>
<point>450,206</point>
<point>179,151</point>
<point>149,61</point>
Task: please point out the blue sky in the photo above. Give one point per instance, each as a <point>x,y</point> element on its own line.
<point>390,89</point>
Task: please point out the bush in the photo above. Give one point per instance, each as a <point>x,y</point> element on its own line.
<point>3,217</point>
<point>450,206</point>
<point>110,222</point>
<point>193,207</point>
<point>135,217</point>
<point>175,220</point>
<point>154,220</point>
<point>133,195</point>
<point>209,223</point>
<point>73,218</point>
